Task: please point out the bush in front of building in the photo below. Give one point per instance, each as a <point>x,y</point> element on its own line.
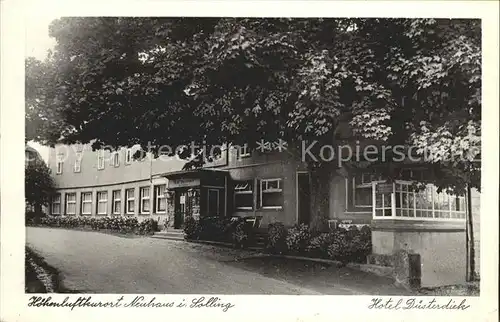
<point>191,228</point>
<point>242,233</point>
<point>214,229</point>
<point>118,224</point>
<point>237,231</point>
<point>298,238</point>
<point>344,245</point>
<point>147,227</point>
<point>277,238</point>
<point>34,218</point>
<point>351,245</point>
<point>318,245</point>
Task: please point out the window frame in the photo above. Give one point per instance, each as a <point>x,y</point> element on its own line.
<point>208,200</point>
<point>84,202</point>
<point>114,200</point>
<point>158,197</point>
<point>59,163</point>
<point>247,151</point>
<point>116,159</point>
<point>236,191</point>
<point>363,185</point>
<point>100,201</point>
<point>129,199</point>
<point>144,198</point>
<point>128,156</point>
<point>77,166</point>
<point>56,203</point>
<point>430,193</point>
<point>100,160</point>
<point>70,202</point>
<point>270,190</point>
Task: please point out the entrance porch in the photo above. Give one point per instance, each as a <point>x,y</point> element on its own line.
<point>197,193</point>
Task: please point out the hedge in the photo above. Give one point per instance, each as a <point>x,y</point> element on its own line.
<point>352,245</point>
<point>237,231</point>
<point>118,224</point>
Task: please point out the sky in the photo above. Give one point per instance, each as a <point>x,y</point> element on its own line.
<point>37,44</point>
<point>38,41</point>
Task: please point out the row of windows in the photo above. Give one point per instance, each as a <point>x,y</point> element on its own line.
<point>115,160</point>
<point>101,202</point>
<point>362,185</point>
<point>427,203</point>
<point>269,194</point>
<point>243,152</point>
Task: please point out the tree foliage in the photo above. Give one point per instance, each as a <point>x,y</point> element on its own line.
<point>39,185</point>
<point>172,81</point>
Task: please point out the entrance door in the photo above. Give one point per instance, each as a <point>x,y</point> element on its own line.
<point>180,211</point>
<point>213,202</point>
<point>303,198</point>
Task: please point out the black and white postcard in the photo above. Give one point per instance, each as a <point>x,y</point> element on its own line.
<point>213,160</point>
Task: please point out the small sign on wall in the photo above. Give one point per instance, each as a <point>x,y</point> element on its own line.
<point>182,199</point>
<point>181,183</point>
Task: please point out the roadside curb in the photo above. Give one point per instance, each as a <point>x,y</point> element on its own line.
<point>209,242</point>
<point>383,271</point>
<point>369,268</point>
<point>310,259</point>
<point>224,244</point>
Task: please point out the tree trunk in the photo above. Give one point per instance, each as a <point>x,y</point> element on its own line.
<point>469,235</point>
<point>319,183</point>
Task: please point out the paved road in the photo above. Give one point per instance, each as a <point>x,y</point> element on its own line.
<point>93,262</point>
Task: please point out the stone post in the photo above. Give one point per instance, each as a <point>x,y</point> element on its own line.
<point>407,270</point>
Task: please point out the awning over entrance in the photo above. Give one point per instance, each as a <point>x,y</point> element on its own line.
<point>196,178</point>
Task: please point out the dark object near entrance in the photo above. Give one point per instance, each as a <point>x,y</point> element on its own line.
<point>178,220</point>
<point>236,230</point>
<point>191,228</point>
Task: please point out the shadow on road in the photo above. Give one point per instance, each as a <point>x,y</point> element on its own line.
<point>320,277</point>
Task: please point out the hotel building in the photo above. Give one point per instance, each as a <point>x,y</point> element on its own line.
<point>271,186</point>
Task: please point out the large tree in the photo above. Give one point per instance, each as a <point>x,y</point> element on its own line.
<point>39,185</point>
<point>173,81</point>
